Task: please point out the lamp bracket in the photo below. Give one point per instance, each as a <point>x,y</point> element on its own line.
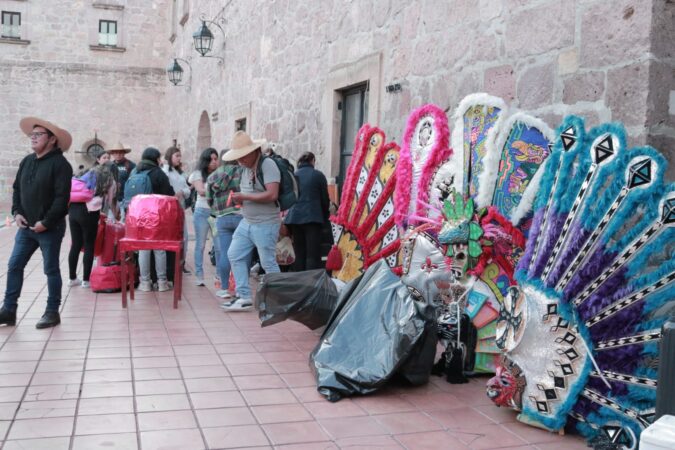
<point>215,21</point>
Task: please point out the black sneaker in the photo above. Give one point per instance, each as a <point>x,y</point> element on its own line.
<point>49,319</point>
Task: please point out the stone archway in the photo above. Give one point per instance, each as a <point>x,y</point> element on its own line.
<point>203,133</point>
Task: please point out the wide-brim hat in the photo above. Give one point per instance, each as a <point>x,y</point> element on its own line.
<point>63,138</point>
<point>242,145</point>
<point>118,148</point>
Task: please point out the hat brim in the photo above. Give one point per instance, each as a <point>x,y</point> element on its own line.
<point>63,138</point>
<point>237,153</point>
<point>125,150</point>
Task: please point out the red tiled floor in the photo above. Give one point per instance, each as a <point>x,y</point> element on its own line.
<point>295,433</point>
<point>281,413</point>
<point>153,377</point>
<point>235,437</point>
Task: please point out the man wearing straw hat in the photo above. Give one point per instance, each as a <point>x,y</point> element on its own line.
<point>259,227</point>
<point>124,166</point>
<point>39,205</point>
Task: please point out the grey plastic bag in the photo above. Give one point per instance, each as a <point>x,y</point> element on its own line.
<point>372,335</point>
<point>307,297</point>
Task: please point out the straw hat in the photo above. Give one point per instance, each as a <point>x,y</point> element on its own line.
<point>117,148</point>
<point>63,138</point>
<point>242,145</point>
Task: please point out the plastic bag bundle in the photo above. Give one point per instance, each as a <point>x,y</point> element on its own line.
<point>307,297</point>
<point>378,329</point>
<point>155,218</point>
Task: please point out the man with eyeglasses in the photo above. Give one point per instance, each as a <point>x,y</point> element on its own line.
<point>39,206</point>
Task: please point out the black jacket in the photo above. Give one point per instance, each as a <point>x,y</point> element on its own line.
<point>158,179</point>
<point>313,202</point>
<point>42,188</point>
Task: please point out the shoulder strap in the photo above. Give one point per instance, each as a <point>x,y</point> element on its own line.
<point>259,171</point>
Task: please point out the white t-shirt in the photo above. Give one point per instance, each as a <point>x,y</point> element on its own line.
<point>201,199</point>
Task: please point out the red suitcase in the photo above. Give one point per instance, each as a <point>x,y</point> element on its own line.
<point>112,235</point>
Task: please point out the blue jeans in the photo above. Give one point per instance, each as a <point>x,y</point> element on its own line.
<point>226,225</point>
<point>262,236</point>
<point>200,219</point>
<point>25,244</point>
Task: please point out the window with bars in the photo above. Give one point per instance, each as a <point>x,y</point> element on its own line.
<point>11,25</point>
<point>107,33</point>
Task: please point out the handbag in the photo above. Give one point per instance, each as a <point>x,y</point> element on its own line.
<point>285,252</point>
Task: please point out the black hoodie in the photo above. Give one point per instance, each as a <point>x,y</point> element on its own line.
<point>42,188</point>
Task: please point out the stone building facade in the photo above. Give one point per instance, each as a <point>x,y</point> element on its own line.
<point>54,67</point>
<point>304,74</point>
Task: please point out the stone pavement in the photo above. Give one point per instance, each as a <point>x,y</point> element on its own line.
<point>151,377</point>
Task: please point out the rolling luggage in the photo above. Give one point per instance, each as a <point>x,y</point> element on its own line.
<point>114,231</point>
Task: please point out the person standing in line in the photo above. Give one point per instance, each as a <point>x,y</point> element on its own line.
<point>41,192</point>
<point>150,163</point>
<point>173,168</point>
<point>222,184</point>
<point>259,227</point>
<point>83,219</point>
<point>207,164</point>
<point>308,215</point>
<point>124,166</point>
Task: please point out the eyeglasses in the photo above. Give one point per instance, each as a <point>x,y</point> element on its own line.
<point>36,134</point>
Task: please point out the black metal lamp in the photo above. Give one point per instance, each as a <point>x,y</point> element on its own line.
<point>203,39</point>
<point>175,71</point>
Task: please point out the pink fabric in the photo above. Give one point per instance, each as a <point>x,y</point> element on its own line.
<point>439,153</point>
<point>155,218</point>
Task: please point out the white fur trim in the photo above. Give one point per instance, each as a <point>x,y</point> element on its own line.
<point>457,137</point>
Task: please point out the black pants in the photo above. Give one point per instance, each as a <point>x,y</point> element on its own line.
<point>307,246</point>
<point>83,227</point>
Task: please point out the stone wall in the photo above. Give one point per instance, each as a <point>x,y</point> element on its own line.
<point>54,73</point>
<point>605,60</point>
<point>285,61</point>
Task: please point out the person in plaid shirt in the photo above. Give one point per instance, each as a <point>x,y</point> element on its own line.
<point>221,185</point>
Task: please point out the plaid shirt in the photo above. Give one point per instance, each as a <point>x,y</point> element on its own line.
<point>221,184</point>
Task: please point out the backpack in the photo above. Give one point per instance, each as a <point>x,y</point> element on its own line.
<point>83,188</point>
<point>138,183</point>
<point>289,187</point>
<point>79,192</point>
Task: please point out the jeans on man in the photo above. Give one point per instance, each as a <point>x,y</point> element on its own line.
<point>200,220</point>
<point>262,236</point>
<point>226,226</point>
<point>25,244</point>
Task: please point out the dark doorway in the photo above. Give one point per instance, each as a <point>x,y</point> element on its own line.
<point>354,107</point>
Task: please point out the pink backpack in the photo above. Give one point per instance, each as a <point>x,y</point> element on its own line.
<point>79,192</point>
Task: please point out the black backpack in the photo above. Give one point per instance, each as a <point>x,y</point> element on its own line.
<point>289,187</point>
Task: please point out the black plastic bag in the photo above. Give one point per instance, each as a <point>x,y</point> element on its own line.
<point>308,297</point>
<point>372,335</point>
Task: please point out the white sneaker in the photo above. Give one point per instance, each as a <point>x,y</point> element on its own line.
<point>85,284</point>
<point>224,293</point>
<point>145,286</point>
<point>240,304</point>
<point>163,285</point>
<point>199,282</point>
<point>75,282</point>
<point>255,269</point>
